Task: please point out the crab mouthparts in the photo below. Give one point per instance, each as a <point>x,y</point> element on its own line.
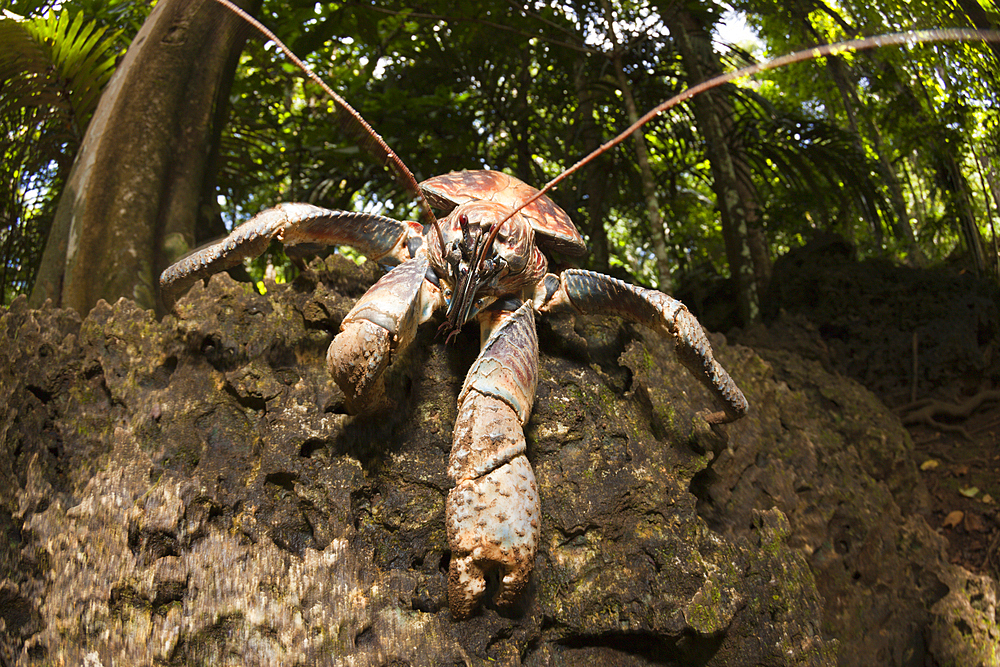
<point>470,270</point>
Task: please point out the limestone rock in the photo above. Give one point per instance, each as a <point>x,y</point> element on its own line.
<point>190,491</point>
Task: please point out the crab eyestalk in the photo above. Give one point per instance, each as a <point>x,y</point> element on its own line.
<point>469,270</point>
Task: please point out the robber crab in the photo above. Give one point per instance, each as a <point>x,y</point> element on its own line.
<point>484,260</point>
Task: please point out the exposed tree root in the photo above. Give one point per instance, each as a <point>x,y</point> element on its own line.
<point>928,411</point>
<point>992,557</point>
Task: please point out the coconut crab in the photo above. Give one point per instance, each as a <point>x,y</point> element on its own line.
<point>484,259</point>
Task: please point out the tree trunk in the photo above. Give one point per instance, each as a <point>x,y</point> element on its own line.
<point>947,164</point>
<point>992,209</point>
<point>595,175</point>
<point>901,228</point>
<point>657,230</point>
<point>960,203</point>
<point>133,197</point>
<point>747,253</point>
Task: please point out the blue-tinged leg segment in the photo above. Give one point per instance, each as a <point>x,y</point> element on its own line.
<point>375,236</point>
<point>493,514</point>
<point>595,293</point>
<point>382,323</point>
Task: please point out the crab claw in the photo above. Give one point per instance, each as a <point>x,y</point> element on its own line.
<point>493,514</point>
<point>492,523</point>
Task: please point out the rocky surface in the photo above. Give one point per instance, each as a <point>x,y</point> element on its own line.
<point>190,491</point>
<point>841,468</point>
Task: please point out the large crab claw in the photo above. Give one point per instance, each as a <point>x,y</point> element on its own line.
<point>493,513</point>
<point>383,321</point>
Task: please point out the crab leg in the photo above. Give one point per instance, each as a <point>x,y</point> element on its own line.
<point>375,236</point>
<point>493,513</point>
<point>382,322</point>
<point>589,292</point>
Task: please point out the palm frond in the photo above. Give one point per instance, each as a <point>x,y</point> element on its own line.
<point>52,71</point>
<point>811,156</point>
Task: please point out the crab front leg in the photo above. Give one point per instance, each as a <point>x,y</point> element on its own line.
<point>382,323</point>
<point>589,292</point>
<point>376,236</point>
<point>493,512</point>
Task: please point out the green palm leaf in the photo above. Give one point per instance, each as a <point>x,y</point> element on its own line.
<point>52,72</point>
<point>56,62</point>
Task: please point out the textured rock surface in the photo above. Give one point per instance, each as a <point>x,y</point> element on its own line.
<point>190,492</point>
<point>840,466</point>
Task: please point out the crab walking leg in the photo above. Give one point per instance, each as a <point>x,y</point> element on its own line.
<point>493,513</point>
<point>382,322</point>
<point>589,292</point>
<point>375,236</point>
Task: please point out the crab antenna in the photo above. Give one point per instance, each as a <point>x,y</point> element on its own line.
<point>354,125</point>
<point>861,44</point>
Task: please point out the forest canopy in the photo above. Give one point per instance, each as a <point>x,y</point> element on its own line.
<point>894,149</point>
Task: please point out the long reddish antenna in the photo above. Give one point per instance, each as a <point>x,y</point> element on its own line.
<point>862,44</point>
<point>354,125</point>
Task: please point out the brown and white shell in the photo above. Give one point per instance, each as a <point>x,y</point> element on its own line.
<point>553,228</point>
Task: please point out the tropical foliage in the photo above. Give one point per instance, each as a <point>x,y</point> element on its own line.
<point>895,149</point>
<point>53,67</point>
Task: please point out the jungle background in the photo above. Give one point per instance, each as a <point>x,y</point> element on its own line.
<point>844,207</point>
<point>894,150</point>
